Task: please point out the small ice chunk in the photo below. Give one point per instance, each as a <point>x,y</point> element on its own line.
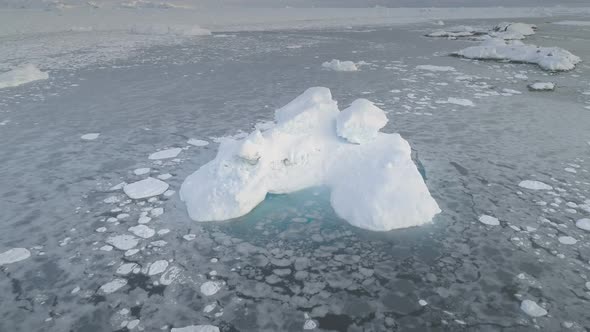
<point>123,242</point>
<point>583,224</point>
<point>144,220</point>
<point>189,237</point>
<point>165,154</point>
<point>14,255</point>
<point>422,303</point>
<point>196,328</point>
<point>534,185</point>
<point>338,65</point>
<point>90,136</point>
<point>360,122</point>
<point>197,142</point>
<point>460,101</point>
<point>113,286</point>
<point>542,86</point>
<point>309,325</point>
<point>489,220</point>
<point>157,212</point>
<point>106,247</point>
<point>435,68</point>
<point>158,267</point>
<point>141,171</point>
<point>209,288</point>
<point>132,324</point>
<point>567,240</point>
<point>142,231</point>
<point>145,188</point>
<point>126,268</point>
<point>21,75</point>
<point>164,176</point>
<point>532,309</point>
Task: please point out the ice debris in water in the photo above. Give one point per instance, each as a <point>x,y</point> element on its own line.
<point>548,58</point>
<point>21,75</point>
<point>532,309</point>
<point>360,123</point>
<point>583,224</point>
<point>338,65</point>
<point>145,188</point>
<point>165,154</point>
<point>196,328</point>
<point>534,185</point>
<point>542,86</point>
<point>14,255</point>
<point>489,220</point>
<point>90,136</point>
<point>374,185</point>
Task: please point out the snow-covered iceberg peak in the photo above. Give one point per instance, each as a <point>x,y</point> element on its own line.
<point>548,58</point>
<point>373,181</point>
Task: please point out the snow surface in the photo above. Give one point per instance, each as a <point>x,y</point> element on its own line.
<point>532,309</point>
<point>360,123</point>
<point>145,188</point>
<point>489,220</point>
<point>196,328</point>
<point>21,75</point>
<point>165,154</point>
<point>373,185</point>
<point>548,58</point>
<point>14,255</point>
<point>534,185</point>
<point>542,86</point>
<point>338,65</point>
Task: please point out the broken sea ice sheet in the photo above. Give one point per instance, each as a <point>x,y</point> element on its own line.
<point>374,185</point>
<point>14,255</point>
<point>548,58</point>
<point>145,188</point>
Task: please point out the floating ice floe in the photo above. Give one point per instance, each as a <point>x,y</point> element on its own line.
<point>532,309</point>
<point>374,185</point>
<point>338,65</point>
<point>457,31</point>
<point>583,224</point>
<point>113,286</point>
<point>511,31</point>
<point>142,231</point>
<point>435,68</point>
<point>122,242</point>
<point>21,75</point>
<point>14,255</point>
<point>574,23</point>
<point>489,220</point>
<point>145,188</point>
<point>158,267</point>
<point>141,171</point>
<point>542,86</point>
<point>548,58</point>
<point>196,328</point>
<point>197,142</point>
<point>90,136</point>
<point>567,240</point>
<point>209,288</point>
<point>165,154</point>
<point>534,185</point>
<point>460,101</point>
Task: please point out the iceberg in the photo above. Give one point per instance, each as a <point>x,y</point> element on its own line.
<point>373,182</point>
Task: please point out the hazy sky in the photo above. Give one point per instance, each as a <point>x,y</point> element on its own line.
<point>312,3</point>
